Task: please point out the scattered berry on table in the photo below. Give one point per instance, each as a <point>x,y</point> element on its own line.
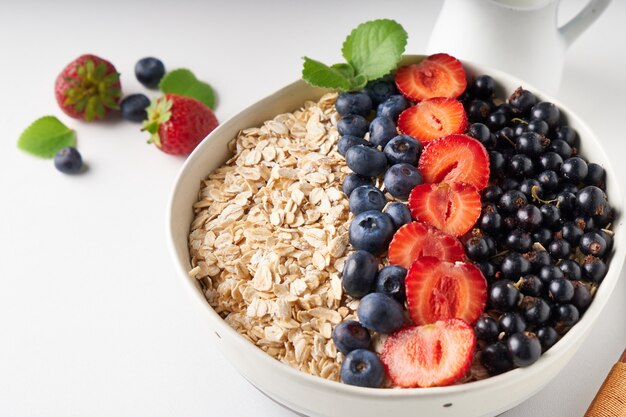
<point>133,107</point>
<point>68,160</point>
<point>149,71</point>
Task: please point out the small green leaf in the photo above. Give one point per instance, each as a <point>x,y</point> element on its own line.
<point>184,82</point>
<point>358,82</point>
<point>374,48</point>
<point>321,75</point>
<point>45,137</point>
<point>346,69</point>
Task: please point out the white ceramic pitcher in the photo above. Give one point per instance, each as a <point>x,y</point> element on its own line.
<point>520,37</point>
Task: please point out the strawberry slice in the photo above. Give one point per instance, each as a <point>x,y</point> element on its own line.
<point>452,208</point>
<point>416,239</point>
<point>441,290</point>
<point>439,75</point>
<point>433,118</point>
<point>455,158</point>
<point>431,355</point>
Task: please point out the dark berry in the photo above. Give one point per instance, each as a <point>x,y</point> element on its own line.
<point>547,112</point>
<point>401,178</point>
<point>478,111</point>
<point>551,216</point>
<point>527,186</point>
<point>574,169</point>
<point>542,235</point>
<point>511,201</point>
<point>608,238</point>
<point>359,273</point>
<point>380,313</point>
<point>495,358</point>
<point>530,285</point>
<point>492,194</point>
<point>133,107</point>
<point>592,243</point>
<point>549,180</point>
<point>509,184</point>
<point>538,126</point>
<point>350,335</point>
<point>571,270</point>
<point>547,273</point>
<point>568,134</point>
<point>503,295</point>
<point>539,259</point>
<point>477,249</point>
<point>399,213</point>
<point>484,86</point>
<point>149,71</point>
<point>511,322</point>
<point>353,181</point>
<point>521,101</point>
<point>566,203</point>
<point>559,249</point>
<point>392,107</point>
<point>551,161</point>
<point>371,231</point>
<point>547,337</point>
<point>382,130</point>
<point>68,160</point>
<point>488,270</point>
<point>536,310</point>
<point>353,125</point>
<point>567,315</point>
<point>582,296</point>
<point>403,148</point>
<point>353,103</point>
<point>595,175</point>
<point>348,141</point>
<point>380,90</point>
<point>594,269</point>
<point>497,120</point>
<point>366,161</point>
<point>529,217</point>
<point>497,163</point>
<point>362,368</point>
<point>519,241</point>
<point>481,133</point>
<point>524,348</point>
<point>486,329</point>
<point>561,148</point>
<point>365,198</point>
<point>591,200</point>
<point>529,144</point>
<point>510,223</point>
<point>514,266</point>
<point>390,281</point>
<point>561,290</point>
<point>521,166</point>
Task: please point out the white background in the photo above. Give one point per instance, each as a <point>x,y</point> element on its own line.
<point>94,320</point>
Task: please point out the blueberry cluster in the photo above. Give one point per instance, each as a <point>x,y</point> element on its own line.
<point>373,150</point>
<point>543,238</point>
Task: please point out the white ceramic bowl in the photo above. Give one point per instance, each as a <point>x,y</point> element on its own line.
<point>314,396</point>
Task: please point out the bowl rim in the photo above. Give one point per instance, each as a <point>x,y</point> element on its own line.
<point>512,377</point>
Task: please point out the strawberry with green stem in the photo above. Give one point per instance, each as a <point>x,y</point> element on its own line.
<point>88,88</point>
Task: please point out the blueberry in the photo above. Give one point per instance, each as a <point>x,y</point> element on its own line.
<point>371,231</point>
<point>380,313</point>
<point>359,273</point>
<point>524,348</point>
<point>392,107</point>
<point>348,141</point>
<point>362,368</point>
<point>133,107</point>
<point>68,160</point>
<point>400,179</point>
<point>149,71</point>
<point>366,161</point>
<point>403,148</point>
<point>353,181</point>
<point>354,103</point>
<point>495,358</point>
<point>382,130</point>
<point>399,213</point>
<point>353,125</point>
<point>366,197</point>
<point>390,281</point>
<point>504,295</point>
<point>350,335</point>
<point>546,111</point>
<point>380,90</point>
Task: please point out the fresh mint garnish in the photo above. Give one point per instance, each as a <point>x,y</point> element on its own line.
<point>372,50</point>
<point>45,137</point>
<point>183,82</point>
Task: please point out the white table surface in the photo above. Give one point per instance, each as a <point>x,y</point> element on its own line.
<point>94,320</point>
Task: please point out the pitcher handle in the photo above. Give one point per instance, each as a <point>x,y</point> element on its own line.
<point>579,23</point>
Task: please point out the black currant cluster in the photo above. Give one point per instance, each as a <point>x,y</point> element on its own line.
<point>543,238</point>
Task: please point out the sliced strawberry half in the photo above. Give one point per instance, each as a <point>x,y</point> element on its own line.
<point>455,158</point>
<point>439,75</point>
<point>429,356</point>
<point>440,290</point>
<point>452,208</point>
<point>416,239</point>
<point>433,118</point>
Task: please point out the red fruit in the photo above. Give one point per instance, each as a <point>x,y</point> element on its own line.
<point>439,75</point>
<point>88,88</point>
<point>430,355</point>
<point>433,118</point>
<point>178,124</point>
<point>416,239</point>
<point>440,290</point>
<point>452,208</point>
<point>455,158</point>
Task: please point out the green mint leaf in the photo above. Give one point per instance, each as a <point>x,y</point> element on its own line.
<point>374,48</point>
<point>183,82</point>
<point>321,75</point>
<point>45,137</point>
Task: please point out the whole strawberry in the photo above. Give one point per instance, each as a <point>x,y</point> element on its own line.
<point>178,124</point>
<point>88,88</point>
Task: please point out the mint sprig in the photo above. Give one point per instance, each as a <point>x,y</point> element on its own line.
<point>45,137</point>
<point>183,82</point>
<point>372,50</point>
